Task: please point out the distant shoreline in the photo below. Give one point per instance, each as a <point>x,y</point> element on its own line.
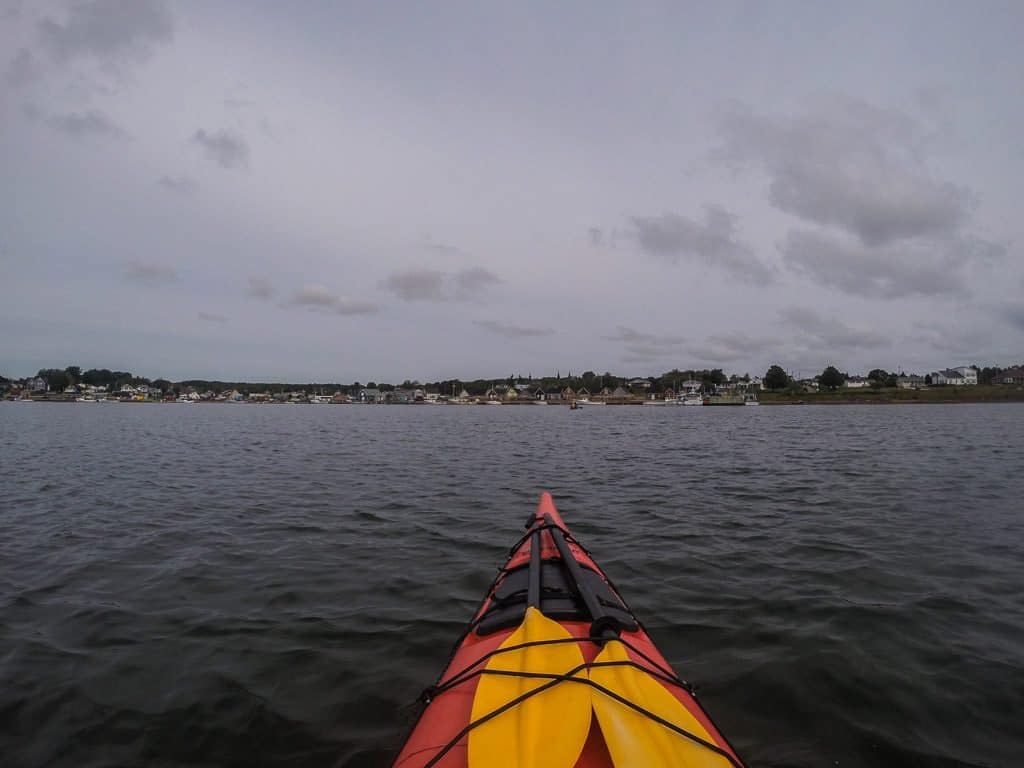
<point>888,396</point>
<point>930,396</point>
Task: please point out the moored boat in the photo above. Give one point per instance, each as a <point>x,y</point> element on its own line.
<point>555,670</point>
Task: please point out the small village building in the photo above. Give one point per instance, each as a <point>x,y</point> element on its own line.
<point>948,377</point>
<point>912,381</point>
<point>969,373</point>
<point>1013,375</point>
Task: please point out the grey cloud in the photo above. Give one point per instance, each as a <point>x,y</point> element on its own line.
<point>23,69</point>
<point>212,317</point>
<point>926,268</point>
<point>1014,315</point>
<point>712,242</point>
<point>260,288</point>
<point>629,335</point>
<point>728,347</point>
<point>444,249</point>
<point>830,333</point>
<point>79,125</point>
<point>108,29</point>
<point>642,356</point>
<point>638,353</point>
<point>181,185</point>
<point>226,150</point>
<point>957,342</point>
<point>416,285</point>
<point>512,331</point>
<point>315,297</point>
<point>151,274</point>
<point>641,347</point>
<point>469,283</point>
<point>423,284</point>
<point>852,166</point>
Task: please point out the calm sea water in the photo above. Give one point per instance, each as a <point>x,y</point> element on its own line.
<point>267,586</point>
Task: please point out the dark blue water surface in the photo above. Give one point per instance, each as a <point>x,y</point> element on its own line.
<point>240,585</point>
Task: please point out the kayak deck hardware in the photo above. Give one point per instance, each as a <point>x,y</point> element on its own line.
<point>557,585</point>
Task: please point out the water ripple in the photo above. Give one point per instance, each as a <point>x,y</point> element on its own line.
<point>264,586</point>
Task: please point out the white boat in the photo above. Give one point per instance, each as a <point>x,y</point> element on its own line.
<point>750,399</point>
<point>590,403</point>
<point>494,402</point>
<point>692,398</point>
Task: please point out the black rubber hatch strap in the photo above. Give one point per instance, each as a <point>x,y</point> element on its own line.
<point>604,624</point>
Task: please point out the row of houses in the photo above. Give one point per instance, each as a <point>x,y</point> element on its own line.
<point>964,375</point>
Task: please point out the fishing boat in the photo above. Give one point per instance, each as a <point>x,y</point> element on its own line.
<point>555,671</point>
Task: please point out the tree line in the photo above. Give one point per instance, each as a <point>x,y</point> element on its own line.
<point>775,379</point>
<point>58,379</point>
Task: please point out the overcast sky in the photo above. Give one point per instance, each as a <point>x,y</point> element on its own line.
<point>329,191</point>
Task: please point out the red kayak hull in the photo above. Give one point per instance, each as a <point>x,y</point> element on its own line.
<point>445,715</point>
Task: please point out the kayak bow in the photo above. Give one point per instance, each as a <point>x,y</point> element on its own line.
<point>555,671</point>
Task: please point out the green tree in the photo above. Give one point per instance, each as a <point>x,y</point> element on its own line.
<point>776,378</point>
<point>55,378</point>
<point>831,378</point>
<point>878,374</point>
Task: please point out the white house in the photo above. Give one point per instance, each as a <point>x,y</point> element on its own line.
<point>964,375</point>
<point>857,382</point>
<point>913,381</point>
<point>969,372</point>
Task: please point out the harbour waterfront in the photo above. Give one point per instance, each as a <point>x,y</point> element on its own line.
<point>274,586</point>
